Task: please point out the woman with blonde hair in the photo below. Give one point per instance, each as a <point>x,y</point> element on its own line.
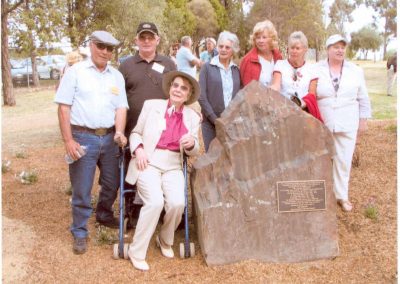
<point>258,63</point>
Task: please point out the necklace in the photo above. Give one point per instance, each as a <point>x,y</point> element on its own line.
<point>295,73</point>
<point>335,80</point>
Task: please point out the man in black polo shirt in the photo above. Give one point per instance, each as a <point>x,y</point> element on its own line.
<point>143,81</point>
<point>143,72</point>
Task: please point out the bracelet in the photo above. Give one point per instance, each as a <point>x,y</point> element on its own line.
<point>119,132</point>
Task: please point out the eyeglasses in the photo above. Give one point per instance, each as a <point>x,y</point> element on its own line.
<point>183,88</point>
<point>102,46</point>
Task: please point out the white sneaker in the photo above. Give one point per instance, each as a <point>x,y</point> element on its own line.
<point>165,251</point>
<point>346,205</point>
<point>137,263</point>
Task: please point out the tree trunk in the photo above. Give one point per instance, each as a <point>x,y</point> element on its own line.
<point>35,74</point>
<point>8,92</point>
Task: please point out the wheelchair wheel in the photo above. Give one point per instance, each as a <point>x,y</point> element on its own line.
<point>115,251</point>
<point>126,248</point>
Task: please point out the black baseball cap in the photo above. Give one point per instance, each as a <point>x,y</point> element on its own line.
<point>147,27</point>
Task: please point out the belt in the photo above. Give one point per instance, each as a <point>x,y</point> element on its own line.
<point>97,131</point>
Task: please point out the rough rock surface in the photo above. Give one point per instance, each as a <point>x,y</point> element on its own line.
<point>262,139</point>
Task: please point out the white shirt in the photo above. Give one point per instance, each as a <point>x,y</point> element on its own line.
<point>183,58</point>
<point>226,77</point>
<point>342,110</point>
<point>94,96</point>
<point>267,67</point>
<point>294,80</point>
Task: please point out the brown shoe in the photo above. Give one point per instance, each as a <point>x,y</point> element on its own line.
<point>80,246</point>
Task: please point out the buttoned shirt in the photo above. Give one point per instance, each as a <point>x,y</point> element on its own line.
<point>267,67</point>
<point>94,96</point>
<point>295,80</point>
<point>183,58</point>
<point>226,77</point>
<point>342,110</point>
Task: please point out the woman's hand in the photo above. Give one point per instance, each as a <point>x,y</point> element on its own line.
<point>141,159</point>
<point>187,141</point>
<point>363,126</point>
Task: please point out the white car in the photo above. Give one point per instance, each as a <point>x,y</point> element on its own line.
<point>48,66</point>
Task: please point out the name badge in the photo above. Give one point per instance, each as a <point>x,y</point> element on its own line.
<point>114,91</point>
<point>162,124</point>
<point>158,67</point>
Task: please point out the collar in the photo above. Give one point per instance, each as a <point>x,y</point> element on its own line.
<point>345,63</point>
<point>215,61</point>
<point>89,64</point>
<point>171,108</point>
<point>137,58</point>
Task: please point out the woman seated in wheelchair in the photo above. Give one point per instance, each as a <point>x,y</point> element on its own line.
<point>166,129</point>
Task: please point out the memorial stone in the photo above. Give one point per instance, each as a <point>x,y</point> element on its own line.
<point>264,189</point>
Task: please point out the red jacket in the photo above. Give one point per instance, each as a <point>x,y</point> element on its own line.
<point>250,67</point>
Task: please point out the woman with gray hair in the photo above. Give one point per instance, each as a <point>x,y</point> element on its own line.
<point>294,77</point>
<point>219,83</point>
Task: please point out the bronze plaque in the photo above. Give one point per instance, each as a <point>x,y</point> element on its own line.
<point>297,196</point>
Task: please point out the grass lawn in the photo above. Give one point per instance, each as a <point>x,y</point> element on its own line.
<point>383,106</point>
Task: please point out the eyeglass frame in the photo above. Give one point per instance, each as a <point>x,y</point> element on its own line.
<point>102,46</point>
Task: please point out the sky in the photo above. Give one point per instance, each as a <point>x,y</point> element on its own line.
<point>362,16</point>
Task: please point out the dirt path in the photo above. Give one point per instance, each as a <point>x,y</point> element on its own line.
<point>37,243</point>
<point>16,253</point>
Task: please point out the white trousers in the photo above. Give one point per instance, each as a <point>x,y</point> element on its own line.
<point>344,145</point>
<point>160,185</point>
<point>391,79</point>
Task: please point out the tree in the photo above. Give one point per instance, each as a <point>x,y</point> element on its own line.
<point>7,7</point>
<point>365,39</point>
<point>121,18</point>
<point>206,20</point>
<point>178,21</point>
<point>340,13</point>
<point>236,23</point>
<point>35,25</point>
<point>79,17</point>
<point>387,10</point>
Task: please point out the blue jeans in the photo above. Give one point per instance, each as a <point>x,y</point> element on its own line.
<point>101,152</point>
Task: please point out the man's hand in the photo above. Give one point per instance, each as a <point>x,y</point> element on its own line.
<point>141,159</point>
<point>120,139</point>
<point>187,141</point>
<point>73,149</point>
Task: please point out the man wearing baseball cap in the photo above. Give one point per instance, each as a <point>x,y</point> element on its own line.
<point>143,75</point>
<point>92,109</point>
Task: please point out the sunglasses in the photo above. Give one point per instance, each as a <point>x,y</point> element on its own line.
<point>182,87</point>
<point>102,46</point>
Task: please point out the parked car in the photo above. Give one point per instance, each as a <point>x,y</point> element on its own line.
<point>55,63</point>
<point>20,73</point>
<point>47,66</point>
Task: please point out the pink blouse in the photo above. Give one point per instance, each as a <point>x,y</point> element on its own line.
<point>175,129</point>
